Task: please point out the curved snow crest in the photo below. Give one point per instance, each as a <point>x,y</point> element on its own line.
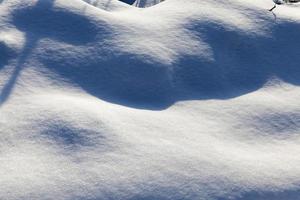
<point>179,54</point>
<point>74,75</point>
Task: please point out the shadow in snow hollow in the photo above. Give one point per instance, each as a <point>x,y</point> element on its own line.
<point>43,21</point>
<point>242,62</point>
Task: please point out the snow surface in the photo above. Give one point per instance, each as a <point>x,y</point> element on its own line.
<point>182,100</point>
<point>146,3</point>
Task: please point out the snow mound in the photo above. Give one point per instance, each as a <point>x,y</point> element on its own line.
<point>146,3</point>
<point>181,100</point>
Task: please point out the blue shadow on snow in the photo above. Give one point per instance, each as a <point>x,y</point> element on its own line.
<point>242,62</point>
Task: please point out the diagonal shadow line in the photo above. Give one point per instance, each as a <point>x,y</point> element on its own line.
<point>10,85</point>
<point>30,44</point>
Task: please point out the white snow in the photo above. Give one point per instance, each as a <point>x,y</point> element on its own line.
<point>146,3</point>
<point>181,100</point>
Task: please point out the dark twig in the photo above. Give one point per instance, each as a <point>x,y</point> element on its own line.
<point>272,8</point>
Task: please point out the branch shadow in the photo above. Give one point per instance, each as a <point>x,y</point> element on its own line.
<point>44,21</point>
<point>9,86</point>
<point>5,54</point>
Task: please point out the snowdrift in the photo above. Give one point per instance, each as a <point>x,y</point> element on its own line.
<point>181,100</point>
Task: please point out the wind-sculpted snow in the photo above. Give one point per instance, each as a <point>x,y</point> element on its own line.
<point>182,100</point>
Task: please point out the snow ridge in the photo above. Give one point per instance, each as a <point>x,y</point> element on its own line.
<point>181,100</point>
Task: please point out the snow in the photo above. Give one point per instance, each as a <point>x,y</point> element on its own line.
<point>180,100</point>
<point>146,3</point>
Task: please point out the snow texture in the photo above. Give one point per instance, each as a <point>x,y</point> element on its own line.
<point>146,3</point>
<point>183,100</point>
